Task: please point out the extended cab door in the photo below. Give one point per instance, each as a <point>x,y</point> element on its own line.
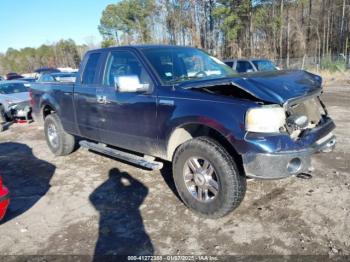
<point>129,117</point>
<point>86,94</point>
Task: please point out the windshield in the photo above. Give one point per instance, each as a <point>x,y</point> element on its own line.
<point>177,65</point>
<point>12,88</point>
<point>264,65</point>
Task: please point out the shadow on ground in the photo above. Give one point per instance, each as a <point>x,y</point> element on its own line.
<point>121,229</point>
<point>167,174</point>
<point>27,177</point>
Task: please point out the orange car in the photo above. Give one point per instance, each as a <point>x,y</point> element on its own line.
<point>4,199</point>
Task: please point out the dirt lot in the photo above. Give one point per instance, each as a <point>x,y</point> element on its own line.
<point>87,203</point>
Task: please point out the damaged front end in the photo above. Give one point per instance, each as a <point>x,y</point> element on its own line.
<point>286,127</point>
<point>307,130</point>
<point>304,114</point>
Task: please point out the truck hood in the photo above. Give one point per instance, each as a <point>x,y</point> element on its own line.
<point>15,97</point>
<point>273,87</point>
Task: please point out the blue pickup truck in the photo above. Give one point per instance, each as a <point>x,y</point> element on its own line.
<point>148,104</point>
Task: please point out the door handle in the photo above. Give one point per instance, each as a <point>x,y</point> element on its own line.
<point>105,100</point>
<point>166,102</point>
<point>102,99</point>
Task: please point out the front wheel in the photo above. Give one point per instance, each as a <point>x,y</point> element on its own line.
<point>207,178</point>
<point>59,141</point>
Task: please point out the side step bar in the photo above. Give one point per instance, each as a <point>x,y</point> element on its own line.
<point>135,159</point>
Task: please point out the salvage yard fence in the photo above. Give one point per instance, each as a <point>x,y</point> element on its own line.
<point>331,63</point>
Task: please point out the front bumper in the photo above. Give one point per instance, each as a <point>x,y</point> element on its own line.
<point>282,164</point>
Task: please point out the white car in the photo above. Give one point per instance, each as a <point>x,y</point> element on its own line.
<point>14,100</point>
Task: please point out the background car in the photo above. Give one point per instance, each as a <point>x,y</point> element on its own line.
<point>4,199</point>
<point>14,100</point>
<point>44,70</point>
<point>12,76</point>
<point>251,65</point>
<point>57,77</point>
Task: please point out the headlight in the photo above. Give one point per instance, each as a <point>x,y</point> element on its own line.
<point>265,119</point>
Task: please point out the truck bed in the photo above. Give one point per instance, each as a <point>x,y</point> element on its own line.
<point>63,93</point>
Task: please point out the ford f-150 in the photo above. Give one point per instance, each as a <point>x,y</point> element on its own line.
<point>149,103</point>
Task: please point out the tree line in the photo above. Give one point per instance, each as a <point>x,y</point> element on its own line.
<point>65,53</point>
<point>277,29</point>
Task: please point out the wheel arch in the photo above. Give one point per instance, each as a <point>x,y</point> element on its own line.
<point>47,109</point>
<point>185,132</point>
<point>48,105</point>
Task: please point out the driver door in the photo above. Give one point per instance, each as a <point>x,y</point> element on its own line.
<point>129,118</point>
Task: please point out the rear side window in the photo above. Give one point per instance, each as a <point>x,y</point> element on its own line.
<point>91,68</point>
<point>47,78</point>
<point>243,66</point>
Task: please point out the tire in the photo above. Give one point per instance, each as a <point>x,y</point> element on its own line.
<point>230,184</point>
<point>59,141</point>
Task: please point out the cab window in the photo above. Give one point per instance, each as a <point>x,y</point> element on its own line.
<point>124,63</point>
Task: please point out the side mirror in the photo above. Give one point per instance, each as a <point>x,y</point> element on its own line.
<point>130,84</point>
<point>278,68</point>
<point>249,71</point>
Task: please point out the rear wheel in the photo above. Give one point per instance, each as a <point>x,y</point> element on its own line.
<point>207,178</point>
<point>59,141</point>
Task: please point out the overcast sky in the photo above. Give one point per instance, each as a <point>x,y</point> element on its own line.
<point>35,22</point>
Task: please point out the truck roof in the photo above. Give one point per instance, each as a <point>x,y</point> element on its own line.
<point>144,46</point>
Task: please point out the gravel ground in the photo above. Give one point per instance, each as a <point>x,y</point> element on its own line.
<point>89,204</point>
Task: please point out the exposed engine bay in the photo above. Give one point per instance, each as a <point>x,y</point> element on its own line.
<point>301,114</point>
<point>304,115</point>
